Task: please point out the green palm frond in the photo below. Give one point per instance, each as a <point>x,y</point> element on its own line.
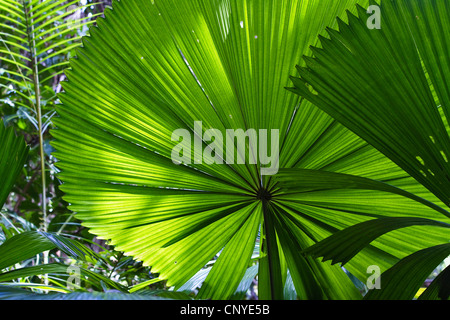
<point>151,68</point>
<point>386,97</point>
<point>13,153</point>
<point>390,86</point>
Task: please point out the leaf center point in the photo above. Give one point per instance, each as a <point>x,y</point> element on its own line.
<point>263,194</point>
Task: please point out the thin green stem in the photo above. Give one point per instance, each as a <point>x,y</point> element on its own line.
<point>65,223</point>
<point>276,292</point>
<point>37,94</point>
<point>11,224</point>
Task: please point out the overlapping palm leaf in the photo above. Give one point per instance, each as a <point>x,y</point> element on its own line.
<point>391,88</point>
<point>13,153</point>
<point>151,67</point>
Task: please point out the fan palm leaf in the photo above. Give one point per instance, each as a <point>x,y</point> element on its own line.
<point>151,68</point>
